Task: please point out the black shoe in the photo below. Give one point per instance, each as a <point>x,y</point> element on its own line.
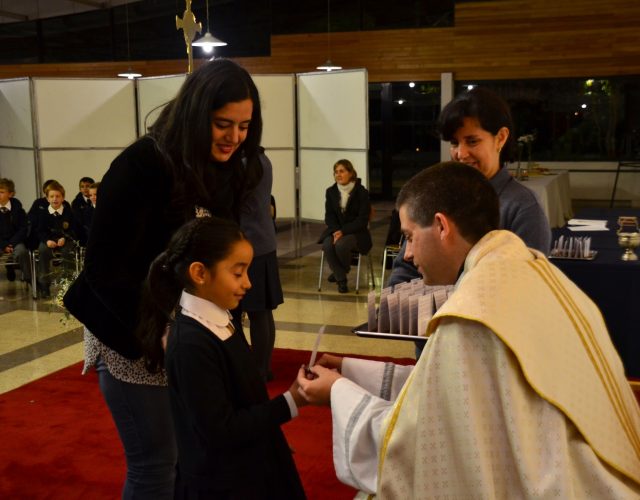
<point>342,287</point>
<point>331,278</point>
<point>11,274</point>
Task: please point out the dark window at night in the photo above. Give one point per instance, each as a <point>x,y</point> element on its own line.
<point>575,119</point>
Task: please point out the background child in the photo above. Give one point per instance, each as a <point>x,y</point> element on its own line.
<point>86,216</point>
<point>81,204</point>
<point>56,231</point>
<point>230,444</point>
<point>13,230</point>
<point>38,208</point>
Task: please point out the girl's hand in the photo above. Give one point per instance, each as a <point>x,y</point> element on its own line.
<point>317,391</point>
<point>297,395</point>
<point>330,361</point>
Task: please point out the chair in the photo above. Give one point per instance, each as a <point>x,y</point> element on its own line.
<point>78,257</point>
<point>8,260</point>
<point>355,255</point>
<point>392,244</point>
<point>623,167</point>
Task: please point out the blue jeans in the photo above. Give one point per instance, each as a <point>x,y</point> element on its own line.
<point>142,415</point>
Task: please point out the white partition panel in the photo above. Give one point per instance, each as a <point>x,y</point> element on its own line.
<point>284,186</point>
<point>153,94</point>
<point>333,110</point>
<point>83,113</point>
<point>333,124</point>
<point>277,99</point>
<point>19,166</point>
<point>68,166</point>
<point>15,114</point>
<point>317,176</point>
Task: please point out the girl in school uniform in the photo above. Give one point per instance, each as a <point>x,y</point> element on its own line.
<point>230,444</point>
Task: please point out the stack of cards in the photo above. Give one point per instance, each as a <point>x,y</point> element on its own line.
<point>572,248</point>
<point>406,308</point>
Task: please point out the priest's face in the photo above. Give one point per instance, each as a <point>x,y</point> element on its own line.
<point>427,249</point>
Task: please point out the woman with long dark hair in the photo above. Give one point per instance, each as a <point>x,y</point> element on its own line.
<point>199,158</point>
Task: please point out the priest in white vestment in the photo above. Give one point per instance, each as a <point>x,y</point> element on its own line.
<point>519,392</point>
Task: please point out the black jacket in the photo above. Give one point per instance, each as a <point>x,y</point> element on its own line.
<point>51,227</point>
<point>355,218</point>
<point>13,225</point>
<point>127,233</point>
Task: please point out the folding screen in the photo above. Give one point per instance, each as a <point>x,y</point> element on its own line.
<point>17,158</point>
<point>82,125</point>
<point>332,124</point>
<point>153,94</point>
<point>277,98</point>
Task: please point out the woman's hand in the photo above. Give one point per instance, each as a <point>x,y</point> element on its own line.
<point>317,391</point>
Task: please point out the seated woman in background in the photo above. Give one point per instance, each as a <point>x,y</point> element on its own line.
<point>478,126</point>
<point>346,215</point>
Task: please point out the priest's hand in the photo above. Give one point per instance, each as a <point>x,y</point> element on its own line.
<point>317,391</point>
<point>331,361</point>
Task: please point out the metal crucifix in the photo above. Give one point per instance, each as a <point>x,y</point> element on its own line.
<point>189,28</point>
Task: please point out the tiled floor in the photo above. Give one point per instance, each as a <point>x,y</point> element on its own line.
<point>35,338</point>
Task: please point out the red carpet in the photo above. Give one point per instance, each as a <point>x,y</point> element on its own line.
<point>59,442</point>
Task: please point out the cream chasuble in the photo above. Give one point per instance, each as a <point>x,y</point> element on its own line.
<point>519,392</point>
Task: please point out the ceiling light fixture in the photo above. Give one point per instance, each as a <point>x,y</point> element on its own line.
<point>130,74</point>
<point>208,41</point>
<point>328,65</point>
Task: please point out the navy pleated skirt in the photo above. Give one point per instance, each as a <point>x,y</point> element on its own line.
<point>266,290</point>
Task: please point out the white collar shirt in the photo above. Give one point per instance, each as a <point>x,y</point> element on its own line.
<point>7,206</point>
<point>59,211</point>
<point>209,315</point>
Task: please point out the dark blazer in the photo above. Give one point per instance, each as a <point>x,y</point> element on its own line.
<point>38,209</point>
<point>83,212</point>
<point>53,228</point>
<point>127,234</point>
<point>230,444</point>
<point>13,225</point>
<point>355,218</point>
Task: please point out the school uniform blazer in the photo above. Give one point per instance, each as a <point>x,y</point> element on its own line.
<point>355,218</point>
<point>230,444</point>
<point>53,228</point>
<point>13,225</point>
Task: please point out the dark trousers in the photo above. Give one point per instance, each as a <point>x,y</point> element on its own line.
<point>45,256</point>
<point>339,255</point>
<point>142,415</point>
<point>262,329</point>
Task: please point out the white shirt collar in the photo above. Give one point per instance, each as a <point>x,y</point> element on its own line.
<point>7,206</point>
<point>207,314</point>
<point>60,210</point>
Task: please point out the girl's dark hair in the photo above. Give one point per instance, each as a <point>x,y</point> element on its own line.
<point>208,240</point>
<point>491,111</point>
<point>182,132</point>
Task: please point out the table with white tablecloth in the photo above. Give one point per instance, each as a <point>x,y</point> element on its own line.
<point>554,194</point>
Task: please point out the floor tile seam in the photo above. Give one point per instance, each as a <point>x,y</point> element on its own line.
<point>39,349</point>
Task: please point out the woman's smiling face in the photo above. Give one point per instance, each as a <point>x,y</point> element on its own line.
<point>229,128</point>
<point>473,145</point>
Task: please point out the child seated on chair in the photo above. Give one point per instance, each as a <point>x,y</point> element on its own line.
<point>86,215</point>
<point>80,205</point>
<point>13,231</point>
<point>56,232</point>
